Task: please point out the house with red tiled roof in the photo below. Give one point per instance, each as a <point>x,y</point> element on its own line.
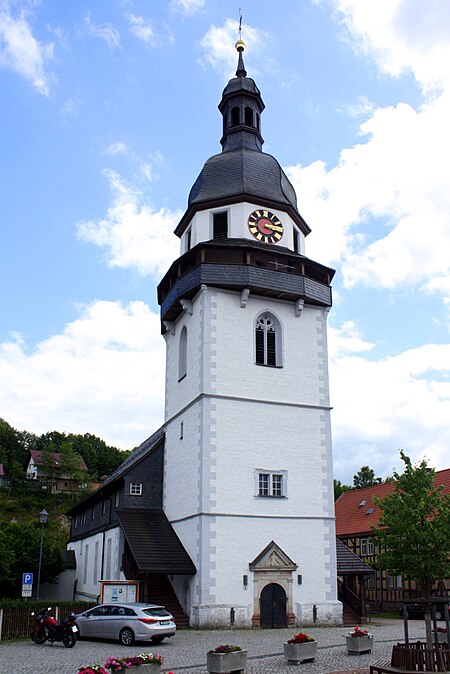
<point>356,518</point>
<point>59,480</point>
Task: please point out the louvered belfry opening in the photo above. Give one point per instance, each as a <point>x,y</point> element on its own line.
<point>220,225</point>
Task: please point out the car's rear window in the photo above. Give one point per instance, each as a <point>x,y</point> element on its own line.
<point>160,612</point>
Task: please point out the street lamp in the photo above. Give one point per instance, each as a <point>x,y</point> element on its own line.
<point>43,517</point>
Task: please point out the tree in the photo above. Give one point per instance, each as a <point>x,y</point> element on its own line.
<point>20,552</point>
<point>340,488</point>
<point>365,477</point>
<point>414,529</point>
<point>12,453</point>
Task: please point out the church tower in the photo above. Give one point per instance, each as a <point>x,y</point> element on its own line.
<point>248,468</point>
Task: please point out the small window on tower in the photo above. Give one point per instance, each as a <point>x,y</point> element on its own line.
<point>271,483</point>
<point>235,116</point>
<point>220,225</point>
<point>182,354</point>
<point>188,240</point>
<point>249,116</point>
<point>296,241</point>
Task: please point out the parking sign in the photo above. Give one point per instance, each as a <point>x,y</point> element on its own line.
<point>27,579</point>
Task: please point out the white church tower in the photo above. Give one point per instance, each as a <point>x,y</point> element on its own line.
<point>248,467</point>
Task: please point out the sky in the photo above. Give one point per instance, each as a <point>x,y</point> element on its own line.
<point>109,111</point>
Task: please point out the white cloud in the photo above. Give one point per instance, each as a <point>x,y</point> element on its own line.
<point>380,406</point>
<point>111,360</point>
<point>399,177</point>
<point>218,45</point>
<point>402,35</point>
<point>104,31</point>
<point>133,234</point>
<point>142,29</point>
<point>187,7</point>
<point>361,108</point>
<point>383,211</point>
<point>118,147</point>
<point>21,52</point>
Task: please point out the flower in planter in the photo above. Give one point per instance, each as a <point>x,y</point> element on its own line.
<point>151,658</point>
<point>225,649</point>
<point>122,664</point>
<point>441,629</point>
<point>300,638</point>
<point>359,632</point>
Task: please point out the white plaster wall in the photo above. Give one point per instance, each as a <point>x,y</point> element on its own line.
<point>91,588</point>
<point>182,465</point>
<point>253,436</point>
<point>301,377</point>
<point>235,542</point>
<point>181,393</point>
<point>201,225</point>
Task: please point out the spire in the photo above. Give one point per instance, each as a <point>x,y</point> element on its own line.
<point>240,46</point>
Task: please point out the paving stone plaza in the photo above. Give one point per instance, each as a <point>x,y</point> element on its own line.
<point>187,651</point>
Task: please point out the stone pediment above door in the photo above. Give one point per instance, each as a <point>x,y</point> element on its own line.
<point>272,558</point>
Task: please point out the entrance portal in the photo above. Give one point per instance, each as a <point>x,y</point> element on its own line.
<point>273,606</point>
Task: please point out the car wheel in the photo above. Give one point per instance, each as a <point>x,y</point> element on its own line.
<point>157,640</point>
<point>126,636</point>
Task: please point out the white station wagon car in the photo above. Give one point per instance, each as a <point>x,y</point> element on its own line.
<point>127,623</point>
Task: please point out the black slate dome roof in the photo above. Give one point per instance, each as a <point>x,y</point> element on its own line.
<point>246,173</point>
<point>242,171</point>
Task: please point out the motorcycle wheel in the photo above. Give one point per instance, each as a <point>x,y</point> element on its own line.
<point>69,639</point>
<point>38,637</point>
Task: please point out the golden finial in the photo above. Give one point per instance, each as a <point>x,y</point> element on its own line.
<point>240,44</point>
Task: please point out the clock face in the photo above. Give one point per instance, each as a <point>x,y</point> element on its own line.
<point>265,226</point>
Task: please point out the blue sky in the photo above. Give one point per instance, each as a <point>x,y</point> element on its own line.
<point>109,110</point>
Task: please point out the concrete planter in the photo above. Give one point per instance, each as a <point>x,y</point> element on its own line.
<point>297,653</point>
<point>359,645</point>
<point>151,668</point>
<point>222,663</point>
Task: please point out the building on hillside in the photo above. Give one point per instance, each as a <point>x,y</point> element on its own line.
<point>54,475</point>
<point>356,514</point>
<point>240,473</point>
<point>4,482</point>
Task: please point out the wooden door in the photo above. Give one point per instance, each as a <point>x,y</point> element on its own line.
<point>273,606</point>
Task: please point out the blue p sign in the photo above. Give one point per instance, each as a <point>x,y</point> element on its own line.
<point>27,579</point>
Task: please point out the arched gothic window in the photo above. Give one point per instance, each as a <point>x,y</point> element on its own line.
<point>248,113</point>
<point>235,116</point>
<point>268,341</point>
<point>182,354</point>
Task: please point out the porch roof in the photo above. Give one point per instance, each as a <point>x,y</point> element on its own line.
<point>349,564</point>
<point>153,542</point>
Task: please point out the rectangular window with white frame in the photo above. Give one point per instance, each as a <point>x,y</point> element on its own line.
<point>271,483</point>
<point>366,547</point>
<point>135,488</point>
<point>394,582</point>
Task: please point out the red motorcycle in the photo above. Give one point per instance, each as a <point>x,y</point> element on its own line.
<point>47,629</point>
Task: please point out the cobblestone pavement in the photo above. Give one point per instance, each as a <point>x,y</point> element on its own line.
<point>187,651</point>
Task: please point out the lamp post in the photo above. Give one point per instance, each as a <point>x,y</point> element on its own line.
<point>43,517</point>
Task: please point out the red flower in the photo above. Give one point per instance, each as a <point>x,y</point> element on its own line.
<point>300,638</point>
